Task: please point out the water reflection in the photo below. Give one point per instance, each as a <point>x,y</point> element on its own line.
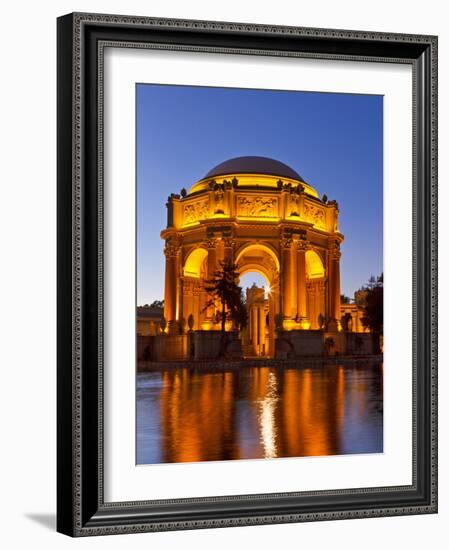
<point>188,415</point>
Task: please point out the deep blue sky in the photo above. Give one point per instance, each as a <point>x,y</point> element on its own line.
<point>335,141</point>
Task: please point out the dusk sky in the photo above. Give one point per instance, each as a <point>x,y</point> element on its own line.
<point>334,141</point>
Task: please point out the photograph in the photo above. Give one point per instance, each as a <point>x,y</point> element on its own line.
<point>259,273</point>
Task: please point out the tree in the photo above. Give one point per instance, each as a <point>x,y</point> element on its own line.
<point>373,310</point>
<point>344,299</point>
<point>224,290</point>
<point>156,303</point>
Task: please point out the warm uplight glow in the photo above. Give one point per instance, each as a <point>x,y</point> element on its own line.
<point>304,324</point>
<point>289,324</point>
<point>257,250</point>
<point>253,180</point>
<point>272,225</point>
<point>314,265</point>
<point>192,267</point>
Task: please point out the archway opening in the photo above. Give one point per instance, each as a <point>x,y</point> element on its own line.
<point>257,337</point>
<point>258,253</point>
<point>194,263</point>
<point>253,278</point>
<point>315,289</point>
<point>314,265</point>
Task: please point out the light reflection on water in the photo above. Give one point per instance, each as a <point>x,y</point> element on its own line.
<point>192,415</point>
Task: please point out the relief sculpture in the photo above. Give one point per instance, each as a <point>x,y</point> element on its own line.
<point>314,215</point>
<point>195,212</point>
<point>257,207</point>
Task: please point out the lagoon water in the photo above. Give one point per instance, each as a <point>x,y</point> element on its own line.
<point>192,415</point>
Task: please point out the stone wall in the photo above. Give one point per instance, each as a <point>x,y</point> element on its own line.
<point>144,346</point>
<point>170,347</point>
<point>299,343</point>
<point>358,343</point>
<point>313,343</point>
<point>207,344</point>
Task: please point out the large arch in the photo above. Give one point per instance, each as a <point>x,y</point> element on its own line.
<point>315,273</point>
<point>260,258</point>
<point>257,268</point>
<point>194,262</point>
<point>314,265</point>
<point>257,247</point>
<point>258,335</point>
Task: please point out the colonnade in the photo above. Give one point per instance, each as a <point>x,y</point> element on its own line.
<point>298,300</point>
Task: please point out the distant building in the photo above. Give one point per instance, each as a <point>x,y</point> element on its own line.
<point>355,312</point>
<point>149,320</point>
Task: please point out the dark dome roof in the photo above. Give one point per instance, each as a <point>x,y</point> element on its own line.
<point>254,165</point>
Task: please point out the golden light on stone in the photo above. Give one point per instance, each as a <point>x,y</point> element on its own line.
<point>271,223</point>
<point>304,324</point>
<point>289,324</point>
<point>194,261</point>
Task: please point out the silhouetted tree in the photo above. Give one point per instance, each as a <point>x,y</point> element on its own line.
<point>373,310</point>
<point>190,322</point>
<point>344,299</point>
<point>224,290</point>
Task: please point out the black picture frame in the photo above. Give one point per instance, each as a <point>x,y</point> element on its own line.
<point>81,509</point>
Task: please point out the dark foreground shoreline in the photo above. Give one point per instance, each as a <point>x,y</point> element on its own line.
<point>223,364</point>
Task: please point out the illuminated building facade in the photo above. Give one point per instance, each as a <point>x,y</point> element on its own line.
<point>260,214</point>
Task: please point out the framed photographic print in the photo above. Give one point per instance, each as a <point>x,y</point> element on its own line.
<point>247,284</point>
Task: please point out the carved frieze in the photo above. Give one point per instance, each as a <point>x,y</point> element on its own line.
<point>294,204</point>
<point>257,207</point>
<point>219,201</point>
<point>196,211</point>
<point>314,214</point>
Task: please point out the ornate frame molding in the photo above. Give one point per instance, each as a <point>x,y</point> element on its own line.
<point>81,507</point>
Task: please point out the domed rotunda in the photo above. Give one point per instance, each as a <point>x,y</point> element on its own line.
<point>263,216</point>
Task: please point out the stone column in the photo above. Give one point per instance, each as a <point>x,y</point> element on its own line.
<point>187,300</point>
<point>196,308</point>
<point>288,282</point>
<point>228,249</point>
<point>253,336</point>
<point>271,323</point>
<point>334,286</point>
<point>312,304</point>
<point>211,258</point>
<point>302,288</point>
<point>219,252</point>
<point>261,328</point>
<point>211,269</point>
<point>171,252</point>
